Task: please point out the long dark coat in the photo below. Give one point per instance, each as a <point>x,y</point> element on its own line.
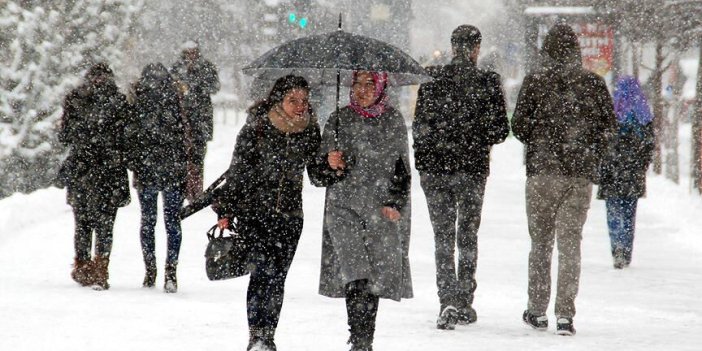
<point>358,242</point>
<point>565,118</point>
<point>199,82</point>
<point>459,116</point>
<point>93,127</point>
<point>623,170</point>
<point>157,133</point>
<point>266,171</point>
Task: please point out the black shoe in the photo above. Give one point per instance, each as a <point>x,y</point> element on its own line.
<point>259,344</point>
<point>448,317</point>
<point>536,322</point>
<point>149,278</point>
<point>467,315</point>
<point>170,286</point>
<point>564,326</point>
<point>361,348</point>
<point>619,259</point>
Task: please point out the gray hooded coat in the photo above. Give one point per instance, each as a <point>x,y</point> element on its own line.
<point>358,242</point>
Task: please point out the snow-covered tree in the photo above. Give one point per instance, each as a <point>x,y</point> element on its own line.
<point>44,48</point>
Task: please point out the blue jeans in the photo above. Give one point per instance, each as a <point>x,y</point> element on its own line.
<point>172,201</point>
<point>621,218</point>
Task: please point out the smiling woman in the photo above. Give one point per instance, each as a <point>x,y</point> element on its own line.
<point>367,213</point>
<point>263,192</point>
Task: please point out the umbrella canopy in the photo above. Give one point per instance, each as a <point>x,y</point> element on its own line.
<point>320,58</point>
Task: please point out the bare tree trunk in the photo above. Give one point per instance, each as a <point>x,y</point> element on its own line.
<point>697,130</point>
<point>672,167</point>
<point>672,160</point>
<point>635,59</point>
<point>656,78</point>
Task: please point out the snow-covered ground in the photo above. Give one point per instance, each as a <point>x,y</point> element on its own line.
<point>655,304</point>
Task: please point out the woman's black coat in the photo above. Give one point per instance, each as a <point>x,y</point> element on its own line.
<point>93,126</point>
<point>157,134</point>
<point>266,172</point>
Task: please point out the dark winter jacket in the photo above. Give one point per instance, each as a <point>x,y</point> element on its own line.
<point>266,172</point>
<point>197,82</point>
<point>565,118</point>
<point>459,116</point>
<point>623,170</point>
<point>156,132</point>
<point>93,127</point>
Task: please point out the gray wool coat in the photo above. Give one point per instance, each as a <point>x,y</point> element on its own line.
<point>358,242</point>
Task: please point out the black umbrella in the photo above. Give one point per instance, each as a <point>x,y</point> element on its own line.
<point>327,58</point>
<point>323,58</point>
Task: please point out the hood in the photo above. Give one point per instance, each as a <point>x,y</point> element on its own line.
<point>562,46</point>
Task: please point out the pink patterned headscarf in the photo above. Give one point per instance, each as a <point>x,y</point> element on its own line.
<point>378,107</point>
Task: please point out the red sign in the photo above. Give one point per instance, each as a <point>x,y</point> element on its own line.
<point>597,44</point>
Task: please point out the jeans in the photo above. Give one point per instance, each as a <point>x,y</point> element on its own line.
<point>556,211</point>
<point>87,220</point>
<point>274,241</point>
<point>172,201</point>
<point>455,203</point>
<point>621,218</point>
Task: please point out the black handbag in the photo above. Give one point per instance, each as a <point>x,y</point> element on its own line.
<point>226,256</point>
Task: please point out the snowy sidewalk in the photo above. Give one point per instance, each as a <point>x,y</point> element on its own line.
<point>655,304</point>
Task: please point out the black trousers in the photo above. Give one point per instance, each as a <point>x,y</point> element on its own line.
<point>455,204</point>
<point>101,221</point>
<point>274,239</point>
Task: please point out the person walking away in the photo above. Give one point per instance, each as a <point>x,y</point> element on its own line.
<point>623,171</point>
<point>565,118</point>
<point>263,193</point>
<point>197,80</point>
<point>365,240</point>
<point>158,155</point>
<point>95,172</point>
<point>459,116</point>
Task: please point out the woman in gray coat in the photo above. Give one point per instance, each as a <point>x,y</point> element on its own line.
<point>367,214</point>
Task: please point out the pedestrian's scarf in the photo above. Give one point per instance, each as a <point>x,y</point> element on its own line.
<point>629,99</point>
<point>378,107</point>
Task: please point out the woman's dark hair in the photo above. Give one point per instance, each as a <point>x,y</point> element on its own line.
<point>154,74</point>
<point>281,87</point>
<point>98,69</point>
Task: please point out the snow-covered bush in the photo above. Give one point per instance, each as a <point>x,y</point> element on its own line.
<point>44,49</point>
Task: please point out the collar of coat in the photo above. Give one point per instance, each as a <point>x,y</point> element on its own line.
<point>459,66</point>
<point>286,123</point>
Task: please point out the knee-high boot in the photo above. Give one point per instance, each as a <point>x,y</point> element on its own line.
<point>362,310</point>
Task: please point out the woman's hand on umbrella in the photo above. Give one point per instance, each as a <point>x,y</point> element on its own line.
<point>336,160</point>
<point>391,213</point>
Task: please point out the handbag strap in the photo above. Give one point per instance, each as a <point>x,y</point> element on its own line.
<point>213,231</point>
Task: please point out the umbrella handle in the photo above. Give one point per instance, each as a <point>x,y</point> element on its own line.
<point>338,118</point>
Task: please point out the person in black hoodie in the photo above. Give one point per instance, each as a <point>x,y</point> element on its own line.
<point>565,119</point>
<point>95,172</point>
<point>459,116</point>
<point>158,157</point>
<point>263,193</point>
